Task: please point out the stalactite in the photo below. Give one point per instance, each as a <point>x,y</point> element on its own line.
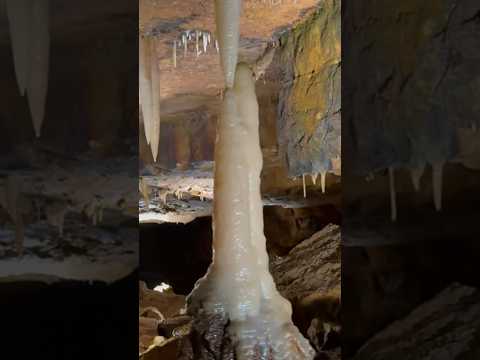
<point>145,84</point>
<point>227,14</point>
<point>323,178</point>
<point>174,53</point>
<point>416,175</point>
<point>19,14</point>
<point>29,29</point>
<point>149,91</point>
<point>304,186</point>
<point>155,136</point>
<point>197,48</point>
<point>204,42</point>
<point>185,45</point>
<point>393,196</point>
<point>39,54</point>
<point>314,178</point>
<point>437,179</point>
<point>238,285</point>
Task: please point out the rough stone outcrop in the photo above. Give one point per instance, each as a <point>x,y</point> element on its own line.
<point>411,70</point>
<point>310,97</point>
<point>446,327</point>
<point>311,266</point>
<point>309,276</point>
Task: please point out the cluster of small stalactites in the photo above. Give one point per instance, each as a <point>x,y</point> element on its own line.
<point>201,41</point>
<point>314,177</point>
<point>416,174</point>
<point>272,2</point>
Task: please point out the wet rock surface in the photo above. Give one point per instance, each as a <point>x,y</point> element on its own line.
<point>309,120</point>
<point>382,284</point>
<point>311,266</point>
<point>446,327</point>
<point>162,323</point>
<point>382,106</point>
<point>309,276</point>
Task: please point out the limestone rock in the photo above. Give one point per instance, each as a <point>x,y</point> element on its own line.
<point>311,266</point>
<point>409,99</point>
<point>309,120</point>
<point>446,327</point>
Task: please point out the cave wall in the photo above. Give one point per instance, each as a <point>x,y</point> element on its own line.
<point>418,63</point>
<point>309,120</point>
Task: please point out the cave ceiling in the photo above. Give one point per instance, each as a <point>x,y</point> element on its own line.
<point>195,84</point>
<point>66,19</point>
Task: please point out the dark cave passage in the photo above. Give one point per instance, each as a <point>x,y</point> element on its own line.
<point>177,254</point>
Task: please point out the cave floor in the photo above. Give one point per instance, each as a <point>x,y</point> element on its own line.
<point>181,196</point>
<point>74,216</point>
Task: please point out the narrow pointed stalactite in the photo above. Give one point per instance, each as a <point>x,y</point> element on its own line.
<point>197,48</point>
<point>174,53</point>
<point>314,177</point>
<point>437,180</point>
<point>19,13</point>
<point>227,14</point>
<point>155,122</point>
<point>416,175</point>
<point>37,87</point>
<point>185,45</point>
<point>238,291</point>
<point>145,84</point>
<point>304,186</point>
<point>30,35</point>
<point>204,42</point>
<point>149,91</point>
<point>323,179</point>
<point>393,195</point>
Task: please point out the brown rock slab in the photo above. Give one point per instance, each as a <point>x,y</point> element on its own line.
<point>446,327</point>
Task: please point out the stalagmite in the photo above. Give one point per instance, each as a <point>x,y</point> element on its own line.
<point>437,179</point>
<point>238,289</point>
<point>323,178</point>
<point>416,175</point>
<point>393,196</point>
<point>304,186</point>
<point>227,14</point>
<point>19,14</point>
<point>37,84</point>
